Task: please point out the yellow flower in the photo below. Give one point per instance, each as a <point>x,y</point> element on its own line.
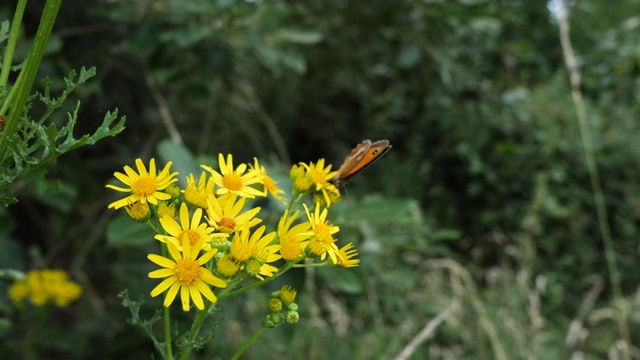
<point>41,286</point>
<point>185,273</point>
<point>327,196</point>
<point>197,194</point>
<point>138,211</point>
<point>292,241</point>
<point>144,186</point>
<point>192,230</point>
<point>320,175</point>
<point>235,181</point>
<point>227,267</point>
<point>225,213</point>
<point>270,186</point>
<point>322,241</point>
<point>346,256</point>
<point>287,294</point>
<point>301,180</point>
<point>256,247</point>
<point>166,209</point>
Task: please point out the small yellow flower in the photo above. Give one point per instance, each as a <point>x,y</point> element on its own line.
<point>270,186</point>
<point>193,230</point>
<point>197,194</point>
<point>301,180</point>
<point>235,181</point>
<point>293,242</point>
<point>144,186</point>
<point>225,213</point>
<point>186,274</point>
<point>227,267</point>
<point>41,286</point>
<point>327,196</point>
<point>166,209</point>
<point>287,294</point>
<point>275,305</point>
<point>246,245</point>
<point>139,211</point>
<point>319,174</point>
<point>346,256</point>
<point>322,241</point>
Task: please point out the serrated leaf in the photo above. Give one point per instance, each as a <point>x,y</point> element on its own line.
<point>124,231</point>
<point>105,128</point>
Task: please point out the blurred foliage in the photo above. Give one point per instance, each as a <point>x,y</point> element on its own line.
<point>487,207</point>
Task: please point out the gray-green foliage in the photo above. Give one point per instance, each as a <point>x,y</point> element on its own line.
<point>39,142</point>
<point>29,140</point>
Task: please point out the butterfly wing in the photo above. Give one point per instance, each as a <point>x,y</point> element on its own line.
<point>361,157</point>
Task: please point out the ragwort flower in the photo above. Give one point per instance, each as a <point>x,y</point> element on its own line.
<point>191,229</point>
<point>185,273</point>
<point>225,213</point>
<point>235,181</point>
<point>322,241</point>
<point>144,186</point>
<point>270,185</point>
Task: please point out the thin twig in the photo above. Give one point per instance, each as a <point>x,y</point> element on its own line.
<point>425,334</point>
<point>476,302</point>
<point>560,11</point>
<point>163,109</point>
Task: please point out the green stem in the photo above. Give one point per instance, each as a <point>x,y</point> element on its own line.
<point>167,333</point>
<point>247,343</point>
<point>195,329</point>
<point>19,93</point>
<point>233,293</point>
<point>594,175</point>
<point>11,44</point>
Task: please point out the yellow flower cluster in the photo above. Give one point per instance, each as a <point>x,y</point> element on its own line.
<point>218,239</point>
<point>42,286</point>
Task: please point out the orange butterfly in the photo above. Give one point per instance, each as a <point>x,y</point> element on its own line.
<point>363,155</point>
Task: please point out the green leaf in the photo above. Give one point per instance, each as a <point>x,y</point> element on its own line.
<point>183,160</point>
<point>124,231</point>
<point>349,280</point>
<point>380,209</point>
<point>306,37</point>
<point>4,30</point>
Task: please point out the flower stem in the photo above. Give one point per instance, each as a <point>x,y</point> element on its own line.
<point>237,292</point>
<point>11,44</point>
<point>19,93</point>
<point>167,333</point>
<point>246,344</point>
<point>195,329</point>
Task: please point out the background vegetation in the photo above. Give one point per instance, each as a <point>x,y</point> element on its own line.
<point>482,213</point>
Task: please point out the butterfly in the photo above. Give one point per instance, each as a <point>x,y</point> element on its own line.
<point>363,155</point>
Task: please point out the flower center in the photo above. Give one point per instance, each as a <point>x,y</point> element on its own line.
<point>227,223</point>
<point>145,186</point>
<point>227,267</point>
<point>240,250</point>
<point>187,271</point>
<point>318,178</point>
<point>317,246</point>
<point>323,234</point>
<point>232,182</point>
<point>192,235</point>
<point>290,249</point>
